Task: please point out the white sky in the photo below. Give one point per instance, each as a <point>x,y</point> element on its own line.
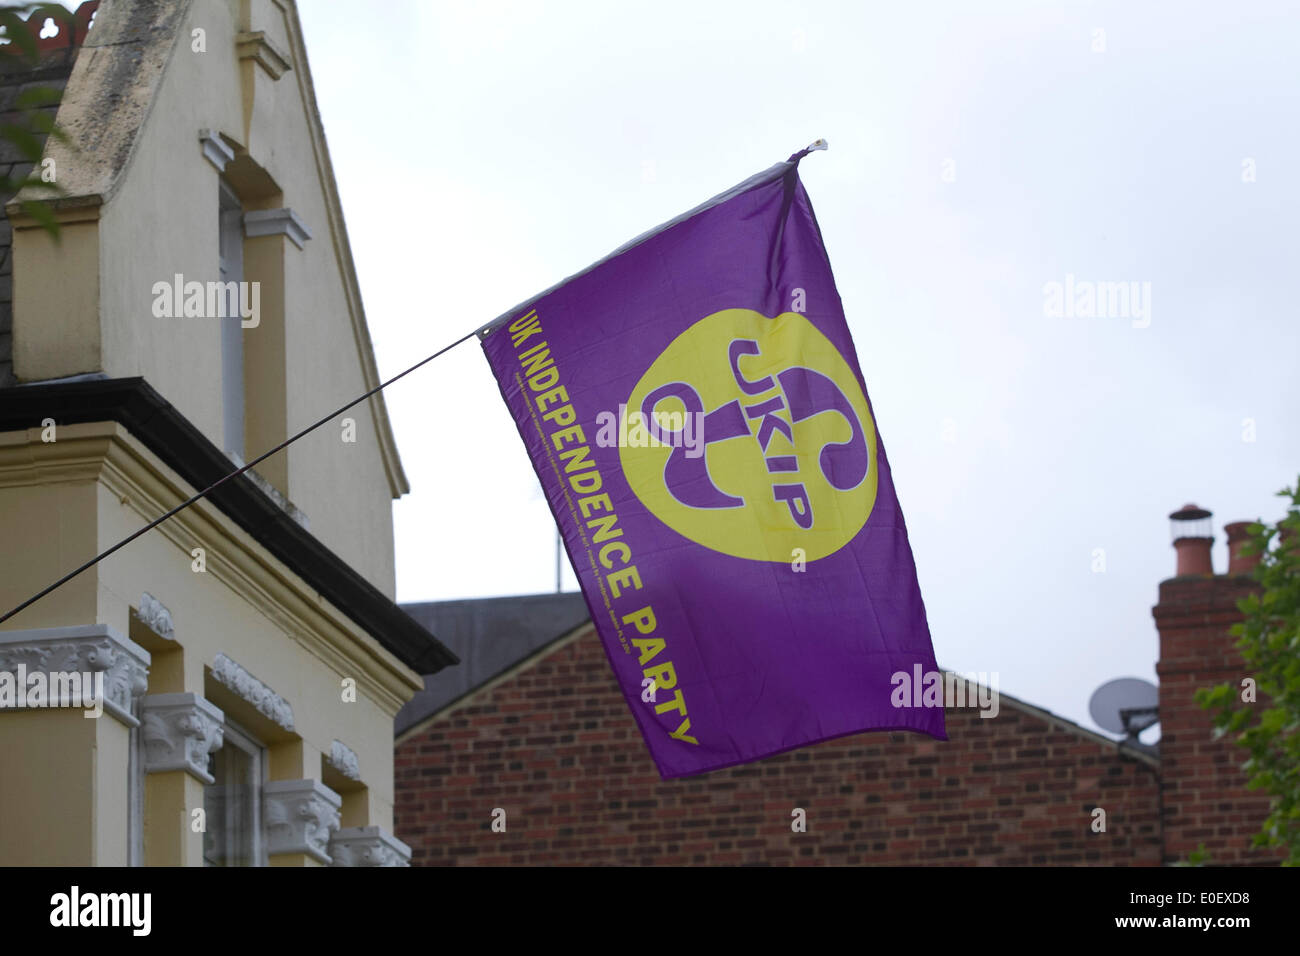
<point>486,150</point>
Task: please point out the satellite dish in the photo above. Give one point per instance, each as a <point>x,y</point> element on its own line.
<point>1126,705</point>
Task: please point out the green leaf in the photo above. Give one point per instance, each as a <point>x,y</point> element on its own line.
<point>43,215</point>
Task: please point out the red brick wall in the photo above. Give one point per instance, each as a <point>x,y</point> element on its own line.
<point>1205,798</point>
<point>556,748</point>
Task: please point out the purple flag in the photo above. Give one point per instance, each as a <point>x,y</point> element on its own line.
<point>694,409</point>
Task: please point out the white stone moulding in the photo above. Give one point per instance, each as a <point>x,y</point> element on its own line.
<point>155,616</point>
<point>215,149</point>
<point>82,649</point>
<point>267,702</point>
<point>343,759</point>
<point>368,846</point>
<point>179,732</point>
<point>276,222</point>
<point>300,817</point>
<point>281,502</point>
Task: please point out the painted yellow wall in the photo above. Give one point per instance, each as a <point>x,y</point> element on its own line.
<point>246,605</point>
<point>47,525</point>
<point>63,789</point>
<point>87,305</point>
<point>254,611</point>
<point>57,330</point>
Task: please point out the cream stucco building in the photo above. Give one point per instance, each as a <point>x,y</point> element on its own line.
<point>252,655</point>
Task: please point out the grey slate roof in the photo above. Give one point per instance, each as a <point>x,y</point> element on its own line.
<point>489,635</point>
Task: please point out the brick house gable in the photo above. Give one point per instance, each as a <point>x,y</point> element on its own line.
<point>553,744</point>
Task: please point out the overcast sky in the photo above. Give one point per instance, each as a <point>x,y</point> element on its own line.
<point>485,151</point>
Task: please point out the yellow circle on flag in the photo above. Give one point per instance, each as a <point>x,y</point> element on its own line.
<point>751,436</point>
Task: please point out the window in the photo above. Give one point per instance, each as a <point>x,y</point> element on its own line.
<point>232,803</point>
<point>232,342</point>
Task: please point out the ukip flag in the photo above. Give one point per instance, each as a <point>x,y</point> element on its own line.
<point>694,409</point>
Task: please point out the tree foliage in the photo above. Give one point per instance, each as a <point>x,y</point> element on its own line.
<point>28,122</point>
<point>1269,641</point>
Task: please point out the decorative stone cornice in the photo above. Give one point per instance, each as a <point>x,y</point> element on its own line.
<point>268,703</point>
<point>300,817</point>
<point>276,222</point>
<point>179,731</point>
<point>343,759</point>
<point>368,846</point>
<point>259,48</point>
<point>215,149</point>
<point>83,649</point>
<point>155,616</point>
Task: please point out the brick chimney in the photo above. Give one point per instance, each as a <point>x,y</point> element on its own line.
<point>1239,563</point>
<point>1191,530</point>
<point>1203,789</point>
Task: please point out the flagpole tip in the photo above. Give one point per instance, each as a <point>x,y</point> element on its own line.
<point>811,147</point>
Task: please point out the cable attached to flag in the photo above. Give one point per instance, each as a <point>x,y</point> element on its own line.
<point>221,481</point>
<point>482,330</point>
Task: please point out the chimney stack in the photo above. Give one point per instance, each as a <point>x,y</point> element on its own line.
<point>1239,563</point>
<point>1203,794</point>
<point>1191,530</point>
